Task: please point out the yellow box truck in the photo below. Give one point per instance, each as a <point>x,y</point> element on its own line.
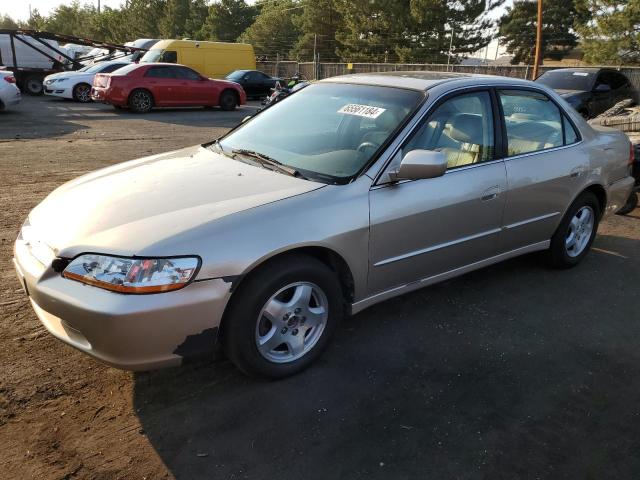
<point>211,59</point>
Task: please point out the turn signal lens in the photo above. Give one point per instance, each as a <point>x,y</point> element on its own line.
<point>10,79</point>
<point>132,275</point>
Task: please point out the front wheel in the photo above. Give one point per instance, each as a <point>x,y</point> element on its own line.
<point>282,317</point>
<point>33,85</point>
<point>228,101</point>
<point>575,234</point>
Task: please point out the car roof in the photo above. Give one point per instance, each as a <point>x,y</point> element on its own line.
<point>422,80</point>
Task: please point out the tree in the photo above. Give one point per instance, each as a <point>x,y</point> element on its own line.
<point>613,34</point>
<point>273,33</point>
<point>71,19</point>
<point>7,22</point>
<point>318,21</point>
<point>518,29</point>
<point>228,19</point>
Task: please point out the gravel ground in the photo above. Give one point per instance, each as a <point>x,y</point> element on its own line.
<point>514,371</point>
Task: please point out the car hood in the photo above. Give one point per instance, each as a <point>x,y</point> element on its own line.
<point>68,74</point>
<point>131,208</point>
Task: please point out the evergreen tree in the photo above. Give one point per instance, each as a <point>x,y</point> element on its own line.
<point>518,29</point>
<point>613,35</point>
<point>228,19</point>
<point>319,20</point>
<point>7,22</point>
<point>273,33</point>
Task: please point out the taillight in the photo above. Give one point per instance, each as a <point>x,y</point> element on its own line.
<point>10,79</point>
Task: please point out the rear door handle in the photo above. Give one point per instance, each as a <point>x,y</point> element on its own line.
<point>490,193</point>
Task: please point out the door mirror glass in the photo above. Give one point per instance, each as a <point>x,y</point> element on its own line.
<point>602,87</point>
<point>419,164</point>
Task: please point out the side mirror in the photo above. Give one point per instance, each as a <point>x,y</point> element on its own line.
<point>602,87</point>
<point>419,164</point>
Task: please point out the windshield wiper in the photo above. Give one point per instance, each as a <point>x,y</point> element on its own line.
<point>265,160</point>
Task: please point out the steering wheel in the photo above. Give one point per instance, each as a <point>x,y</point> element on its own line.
<point>365,145</point>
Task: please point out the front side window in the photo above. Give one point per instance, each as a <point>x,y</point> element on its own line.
<point>186,73</point>
<point>533,122</point>
<point>326,131</point>
<point>169,56</point>
<point>461,128</point>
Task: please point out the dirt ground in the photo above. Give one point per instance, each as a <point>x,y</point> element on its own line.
<point>514,371</point>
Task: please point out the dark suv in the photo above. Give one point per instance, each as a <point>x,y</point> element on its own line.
<point>590,91</point>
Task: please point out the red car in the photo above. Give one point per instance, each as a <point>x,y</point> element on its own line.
<point>144,86</point>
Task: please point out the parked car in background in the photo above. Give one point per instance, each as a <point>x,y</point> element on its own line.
<point>141,87</point>
<point>352,191</point>
<point>212,59</point>
<point>145,43</point>
<point>254,82</point>
<point>9,92</point>
<point>76,85</point>
<point>590,91</point>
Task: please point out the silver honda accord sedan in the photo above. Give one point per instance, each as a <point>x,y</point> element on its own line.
<point>351,191</point>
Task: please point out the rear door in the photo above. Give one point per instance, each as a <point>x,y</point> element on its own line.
<point>545,166</point>
<point>423,228</point>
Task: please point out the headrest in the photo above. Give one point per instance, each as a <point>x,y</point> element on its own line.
<point>467,128</point>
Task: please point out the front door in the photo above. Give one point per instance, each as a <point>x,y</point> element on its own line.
<point>423,228</point>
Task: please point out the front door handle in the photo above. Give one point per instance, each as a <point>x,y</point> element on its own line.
<point>490,193</point>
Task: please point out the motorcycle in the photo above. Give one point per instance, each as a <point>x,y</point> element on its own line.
<point>281,91</point>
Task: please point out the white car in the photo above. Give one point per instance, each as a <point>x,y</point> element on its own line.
<point>9,92</point>
<point>77,85</point>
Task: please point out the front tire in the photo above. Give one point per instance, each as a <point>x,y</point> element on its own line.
<point>228,101</point>
<point>282,317</point>
<point>140,101</point>
<point>575,234</point>
<point>33,85</point>
<point>82,93</point>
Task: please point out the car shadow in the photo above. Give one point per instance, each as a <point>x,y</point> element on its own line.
<point>512,371</point>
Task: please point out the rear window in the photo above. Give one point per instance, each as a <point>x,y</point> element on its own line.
<point>567,80</point>
<point>127,69</point>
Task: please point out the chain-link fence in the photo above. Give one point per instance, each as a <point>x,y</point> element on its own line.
<point>326,70</point>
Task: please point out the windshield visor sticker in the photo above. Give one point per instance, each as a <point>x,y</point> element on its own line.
<point>366,111</point>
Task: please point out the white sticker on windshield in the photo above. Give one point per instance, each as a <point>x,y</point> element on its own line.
<point>580,74</point>
<point>362,110</point>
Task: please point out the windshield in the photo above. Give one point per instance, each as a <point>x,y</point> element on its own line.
<point>327,131</point>
<point>151,56</point>
<point>237,74</point>
<point>567,80</point>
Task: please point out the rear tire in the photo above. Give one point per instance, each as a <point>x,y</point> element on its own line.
<point>33,85</point>
<point>630,206</point>
<point>82,93</point>
<point>140,101</point>
<point>575,234</point>
<point>282,317</point>
<point>228,101</point>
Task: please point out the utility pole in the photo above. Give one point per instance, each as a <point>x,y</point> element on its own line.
<point>536,61</point>
<point>450,48</point>
<point>315,65</point>
<point>98,6</point>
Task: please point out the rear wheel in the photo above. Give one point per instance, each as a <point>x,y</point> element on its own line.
<point>575,234</point>
<point>33,85</point>
<point>140,101</point>
<point>282,317</point>
<point>228,101</point>
<point>82,93</point>
<point>630,206</point>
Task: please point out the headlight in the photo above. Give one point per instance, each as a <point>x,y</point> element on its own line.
<point>132,275</point>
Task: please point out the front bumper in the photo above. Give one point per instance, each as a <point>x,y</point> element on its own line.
<point>618,193</point>
<point>53,91</point>
<point>132,332</point>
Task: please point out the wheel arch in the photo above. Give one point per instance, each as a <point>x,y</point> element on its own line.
<point>134,90</point>
<point>233,91</point>
<point>600,193</point>
<point>327,256</point>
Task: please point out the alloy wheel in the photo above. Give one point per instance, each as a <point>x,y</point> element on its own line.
<point>579,231</point>
<point>291,322</point>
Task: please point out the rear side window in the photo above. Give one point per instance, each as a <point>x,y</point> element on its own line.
<point>570,134</point>
<point>112,68</point>
<point>533,122</point>
<point>160,72</point>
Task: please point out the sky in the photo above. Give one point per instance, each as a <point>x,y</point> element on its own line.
<point>19,9</point>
